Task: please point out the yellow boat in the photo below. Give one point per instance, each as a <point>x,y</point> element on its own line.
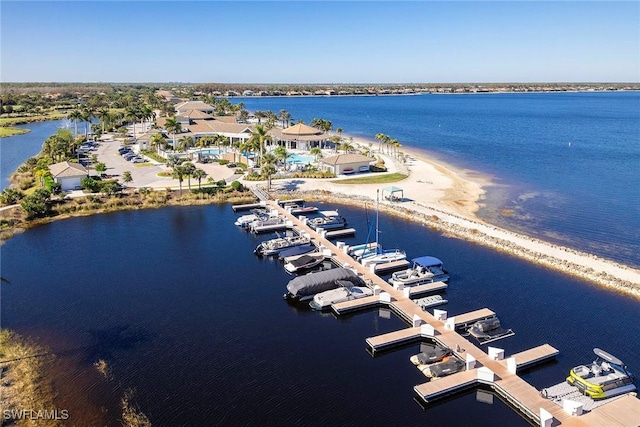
<point>605,377</point>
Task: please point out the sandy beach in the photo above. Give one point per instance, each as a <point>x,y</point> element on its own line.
<point>443,197</point>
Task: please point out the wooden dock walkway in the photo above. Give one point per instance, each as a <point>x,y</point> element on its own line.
<point>504,382</point>
<point>453,383</point>
<point>356,304</point>
<point>334,234</point>
<point>426,288</point>
<point>534,355</point>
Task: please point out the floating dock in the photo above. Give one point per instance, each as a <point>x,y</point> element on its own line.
<point>482,368</point>
<point>247,207</point>
<point>535,355</point>
<point>390,266</point>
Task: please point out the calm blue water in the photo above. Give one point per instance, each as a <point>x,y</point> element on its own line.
<point>16,149</point>
<point>300,159</point>
<point>567,164</point>
<point>176,303</point>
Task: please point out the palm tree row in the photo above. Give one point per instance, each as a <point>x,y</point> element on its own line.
<point>188,170</point>
<point>390,144</point>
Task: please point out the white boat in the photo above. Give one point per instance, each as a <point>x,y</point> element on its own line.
<point>383,257</point>
<point>605,377</point>
<point>430,301</point>
<point>330,220</point>
<point>425,269</point>
<point>245,221</point>
<point>275,246</point>
<point>301,210</point>
<point>302,262</point>
<point>270,224</point>
<point>324,300</point>
<point>364,249</point>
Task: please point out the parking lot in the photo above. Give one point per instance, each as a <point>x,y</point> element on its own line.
<point>146,174</point>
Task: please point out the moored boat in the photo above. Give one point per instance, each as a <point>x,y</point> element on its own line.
<point>489,330</point>
<point>383,257</point>
<point>346,292</point>
<point>447,366</point>
<point>430,301</point>
<point>425,269</point>
<point>305,287</point>
<point>274,246</point>
<point>430,353</point>
<point>605,377</point>
<point>296,250</point>
<point>329,220</point>
<point>303,262</point>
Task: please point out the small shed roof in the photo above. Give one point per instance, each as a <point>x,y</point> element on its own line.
<point>344,159</point>
<point>67,170</point>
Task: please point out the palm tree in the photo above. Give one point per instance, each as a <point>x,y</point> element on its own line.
<point>285,116</point>
<point>268,162</point>
<point>346,147</point>
<point>104,116</point>
<point>199,174</point>
<point>87,116</point>
<point>259,115</point>
<point>188,169</point>
<point>178,173</point>
<point>316,152</point>
<point>184,143</point>
<point>383,139</point>
<point>157,140</point>
<point>131,115</point>
<point>206,141</point>
<point>75,115</point>
<point>281,153</point>
<point>258,138</point>
<point>173,126</point>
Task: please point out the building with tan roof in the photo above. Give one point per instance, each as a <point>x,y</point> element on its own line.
<point>346,163</point>
<point>299,136</point>
<point>69,175</point>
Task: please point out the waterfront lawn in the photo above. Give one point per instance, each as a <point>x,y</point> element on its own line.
<point>9,131</point>
<point>372,179</point>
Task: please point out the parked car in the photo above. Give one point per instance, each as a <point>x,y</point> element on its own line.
<point>129,156</point>
<point>138,160</point>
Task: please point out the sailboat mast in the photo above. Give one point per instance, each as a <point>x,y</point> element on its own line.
<point>377,217</point>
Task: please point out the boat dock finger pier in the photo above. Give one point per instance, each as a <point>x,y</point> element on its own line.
<point>492,368</point>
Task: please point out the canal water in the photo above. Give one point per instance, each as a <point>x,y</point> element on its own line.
<point>182,311</point>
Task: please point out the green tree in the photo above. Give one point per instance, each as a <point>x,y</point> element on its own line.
<point>173,126</point>
<point>268,168</point>
<point>75,115</point>
<point>282,154</point>
<point>37,204</point>
<point>188,169</point>
<point>11,196</point>
<point>285,117</point>
<point>89,184</point>
<point>100,168</point>
<point>316,152</point>
<point>178,173</point>
<point>157,141</point>
<point>259,138</point>
<point>126,177</point>
<point>199,175</point>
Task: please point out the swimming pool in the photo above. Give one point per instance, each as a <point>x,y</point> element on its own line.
<point>211,151</point>
<point>300,159</point>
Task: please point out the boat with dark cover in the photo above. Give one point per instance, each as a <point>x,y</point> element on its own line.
<point>305,287</point>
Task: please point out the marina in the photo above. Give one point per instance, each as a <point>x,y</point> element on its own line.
<point>489,368</point>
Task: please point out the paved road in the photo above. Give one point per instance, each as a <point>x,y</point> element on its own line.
<point>146,174</point>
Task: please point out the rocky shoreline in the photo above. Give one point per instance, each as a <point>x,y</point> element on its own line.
<point>473,231</point>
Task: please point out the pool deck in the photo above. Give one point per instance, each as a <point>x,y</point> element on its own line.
<point>482,368</point>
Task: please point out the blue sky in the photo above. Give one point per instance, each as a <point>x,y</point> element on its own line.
<point>320,42</point>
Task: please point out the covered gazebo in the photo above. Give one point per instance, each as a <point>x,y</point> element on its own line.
<point>300,136</point>
<point>390,193</point>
